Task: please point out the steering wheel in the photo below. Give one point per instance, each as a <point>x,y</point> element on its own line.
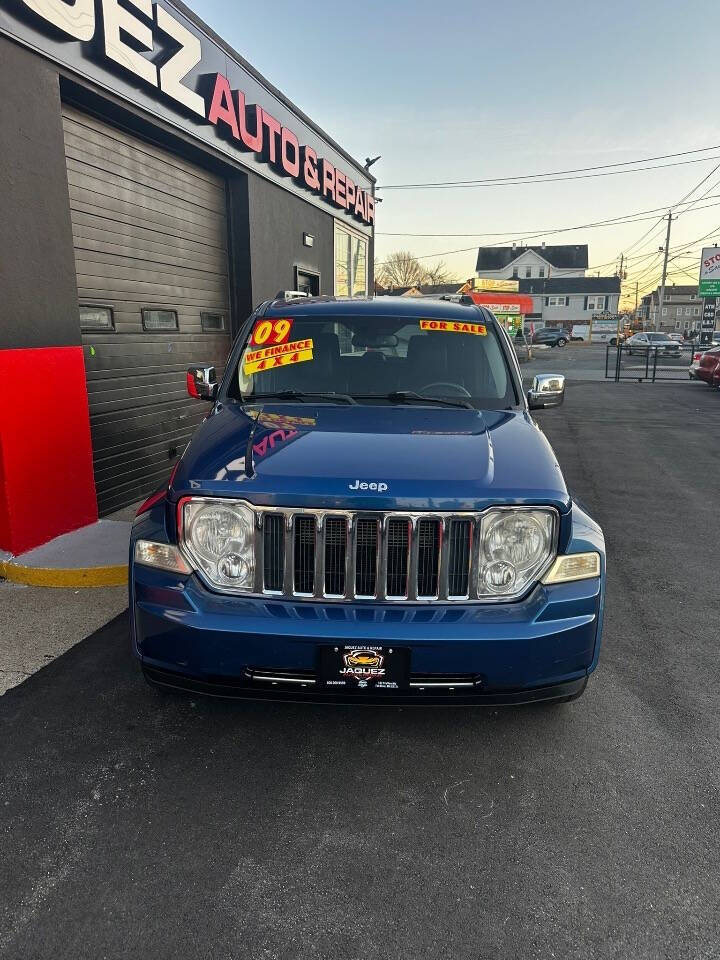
<point>454,388</point>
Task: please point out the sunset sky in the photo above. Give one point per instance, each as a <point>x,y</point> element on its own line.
<point>468,90</point>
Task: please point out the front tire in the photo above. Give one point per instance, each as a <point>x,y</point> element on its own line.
<point>561,342</point>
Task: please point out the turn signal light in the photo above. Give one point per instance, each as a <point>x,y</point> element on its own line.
<point>574,566</point>
<point>164,556</point>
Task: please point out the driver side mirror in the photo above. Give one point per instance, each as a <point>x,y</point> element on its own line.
<point>202,383</point>
<point>548,390</point>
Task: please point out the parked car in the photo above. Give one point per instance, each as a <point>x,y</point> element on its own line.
<point>644,343</point>
<point>677,337</point>
<point>706,367</point>
<point>350,524</point>
<point>551,336</point>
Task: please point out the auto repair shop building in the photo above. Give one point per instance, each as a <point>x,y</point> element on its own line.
<point>154,188</point>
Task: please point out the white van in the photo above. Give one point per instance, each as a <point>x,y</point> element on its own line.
<point>603,331</point>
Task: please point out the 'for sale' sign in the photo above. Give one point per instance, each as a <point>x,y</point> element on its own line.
<point>710,272</point>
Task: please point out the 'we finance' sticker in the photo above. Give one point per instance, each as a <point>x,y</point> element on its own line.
<point>282,355</point>
<point>453,326</point>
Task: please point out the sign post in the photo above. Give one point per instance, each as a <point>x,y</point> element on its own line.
<point>709,290</point>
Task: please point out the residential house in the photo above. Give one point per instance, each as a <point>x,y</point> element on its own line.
<point>564,301</point>
<point>528,263</point>
<point>556,278</point>
<point>682,309</point>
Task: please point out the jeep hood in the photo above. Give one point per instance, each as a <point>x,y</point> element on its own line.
<point>439,458</point>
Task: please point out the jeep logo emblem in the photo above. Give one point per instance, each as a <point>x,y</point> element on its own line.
<point>364,485</point>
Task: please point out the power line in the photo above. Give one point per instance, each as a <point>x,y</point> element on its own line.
<point>530,234</point>
<point>558,177</point>
<point>618,221</point>
<point>601,166</point>
<point>651,284</point>
<point>658,226</point>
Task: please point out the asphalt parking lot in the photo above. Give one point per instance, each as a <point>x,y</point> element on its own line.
<point>140,825</point>
<point>585,361</point>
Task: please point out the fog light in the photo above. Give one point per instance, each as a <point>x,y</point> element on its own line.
<point>233,567</point>
<point>499,576</point>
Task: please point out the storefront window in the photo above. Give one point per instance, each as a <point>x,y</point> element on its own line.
<point>350,263</point>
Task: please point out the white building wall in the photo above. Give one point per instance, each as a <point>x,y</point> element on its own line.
<point>535,263</point>
<point>574,312</point>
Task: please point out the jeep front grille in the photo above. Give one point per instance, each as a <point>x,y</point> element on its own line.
<point>339,555</point>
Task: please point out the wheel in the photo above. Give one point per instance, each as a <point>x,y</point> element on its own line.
<point>613,341</point>
<point>561,341</point>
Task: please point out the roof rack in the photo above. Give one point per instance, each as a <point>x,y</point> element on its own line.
<point>291,295</point>
<point>456,298</point>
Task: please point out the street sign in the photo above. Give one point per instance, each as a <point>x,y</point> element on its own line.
<point>709,272</point>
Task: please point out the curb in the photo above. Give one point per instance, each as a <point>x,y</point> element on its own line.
<point>115,575</point>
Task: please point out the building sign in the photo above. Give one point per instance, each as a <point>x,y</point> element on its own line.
<point>486,283</point>
<point>154,56</point>
<point>509,306</point>
<point>253,128</point>
<point>710,272</point>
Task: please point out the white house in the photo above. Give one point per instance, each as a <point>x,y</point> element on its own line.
<point>527,263</point>
<point>563,301</point>
<point>555,277</point>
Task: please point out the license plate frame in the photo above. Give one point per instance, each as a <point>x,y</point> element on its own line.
<point>363,668</point>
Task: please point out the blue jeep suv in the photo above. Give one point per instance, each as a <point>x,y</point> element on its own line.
<point>369,513</point>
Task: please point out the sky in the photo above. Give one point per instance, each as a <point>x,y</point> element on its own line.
<point>471,90</point>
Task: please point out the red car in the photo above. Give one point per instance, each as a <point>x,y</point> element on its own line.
<point>706,367</point>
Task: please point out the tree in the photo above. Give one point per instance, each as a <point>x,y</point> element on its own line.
<point>438,273</point>
<point>399,269</point>
<point>403,269</point>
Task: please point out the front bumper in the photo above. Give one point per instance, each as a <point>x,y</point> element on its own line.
<point>543,647</point>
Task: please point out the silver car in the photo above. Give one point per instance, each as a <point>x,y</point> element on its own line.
<point>644,343</point>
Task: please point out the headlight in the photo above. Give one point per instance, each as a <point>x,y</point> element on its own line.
<point>516,546</point>
<point>218,537</point>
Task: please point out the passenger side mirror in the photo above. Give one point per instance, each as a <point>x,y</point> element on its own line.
<point>202,383</point>
<point>548,390</point>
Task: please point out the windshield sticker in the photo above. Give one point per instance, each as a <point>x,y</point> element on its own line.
<point>451,326</point>
<point>280,421</point>
<point>255,361</point>
<point>271,331</point>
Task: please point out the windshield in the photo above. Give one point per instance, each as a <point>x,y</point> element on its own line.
<point>372,358</point>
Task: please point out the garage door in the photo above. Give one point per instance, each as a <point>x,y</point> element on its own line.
<point>150,237</point>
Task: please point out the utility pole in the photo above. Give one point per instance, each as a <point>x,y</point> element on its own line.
<point>637,285</point>
<point>664,273</point>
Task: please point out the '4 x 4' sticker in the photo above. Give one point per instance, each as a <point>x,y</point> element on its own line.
<point>255,361</point>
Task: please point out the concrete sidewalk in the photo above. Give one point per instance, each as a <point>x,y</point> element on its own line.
<point>37,624</point>
<point>93,556</point>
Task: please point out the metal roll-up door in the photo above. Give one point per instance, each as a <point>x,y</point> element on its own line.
<point>151,254</point>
